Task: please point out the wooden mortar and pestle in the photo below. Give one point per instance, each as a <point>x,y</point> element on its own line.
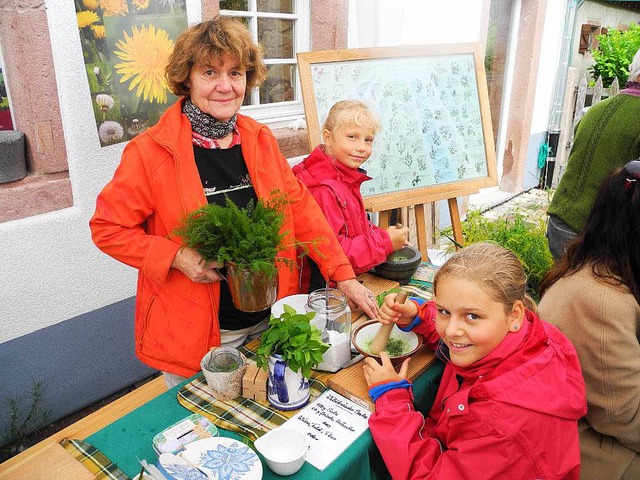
<point>379,342</point>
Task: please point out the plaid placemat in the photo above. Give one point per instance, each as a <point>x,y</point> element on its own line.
<point>94,460</point>
<point>421,284</point>
<point>245,416</point>
<point>252,418</point>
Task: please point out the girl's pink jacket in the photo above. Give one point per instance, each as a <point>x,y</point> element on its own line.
<point>336,188</point>
<point>512,415</point>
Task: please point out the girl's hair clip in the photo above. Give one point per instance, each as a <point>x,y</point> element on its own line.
<point>633,168</point>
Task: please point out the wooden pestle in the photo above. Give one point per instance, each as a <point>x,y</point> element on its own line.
<point>379,342</point>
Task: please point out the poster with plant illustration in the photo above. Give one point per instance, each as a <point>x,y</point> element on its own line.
<point>434,130</point>
<point>126,45</point>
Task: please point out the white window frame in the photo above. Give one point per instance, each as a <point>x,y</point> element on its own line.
<point>282,113</point>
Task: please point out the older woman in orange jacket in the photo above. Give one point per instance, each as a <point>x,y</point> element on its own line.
<point>200,151</point>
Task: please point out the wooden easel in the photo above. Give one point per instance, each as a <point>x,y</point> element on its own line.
<point>421,228</point>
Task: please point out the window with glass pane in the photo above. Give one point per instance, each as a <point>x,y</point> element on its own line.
<point>280,84</point>
<point>275,6</point>
<point>276,36</point>
<point>275,24</point>
<point>242,5</point>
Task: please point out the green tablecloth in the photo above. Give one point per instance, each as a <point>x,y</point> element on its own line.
<point>127,439</point>
<point>130,438</point>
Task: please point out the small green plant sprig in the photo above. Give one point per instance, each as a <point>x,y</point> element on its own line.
<point>250,237</point>
<point>28,413</point>
<point>524,237</point>
<point>292,336</point>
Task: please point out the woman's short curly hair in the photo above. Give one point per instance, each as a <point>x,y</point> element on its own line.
<point>208,41</point>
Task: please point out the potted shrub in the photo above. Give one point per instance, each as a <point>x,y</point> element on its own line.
<point>289,349</point>
<point>522,233</point>
<point>247,240</point>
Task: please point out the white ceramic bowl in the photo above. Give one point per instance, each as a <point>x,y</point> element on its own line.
<point>283,449</point>
<point>298,303</point>
<point>364,333</point>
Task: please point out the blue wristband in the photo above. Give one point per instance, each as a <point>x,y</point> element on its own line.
<point>407,328</point>
<point>379,390</point>
<point>416,321</point>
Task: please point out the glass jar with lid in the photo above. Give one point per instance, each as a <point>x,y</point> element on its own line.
<point>333,314</point>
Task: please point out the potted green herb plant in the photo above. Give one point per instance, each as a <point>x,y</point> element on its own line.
<point>289,349</point>
<point>247,241</point>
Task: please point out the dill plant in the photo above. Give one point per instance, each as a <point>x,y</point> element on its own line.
<point>250,237</point>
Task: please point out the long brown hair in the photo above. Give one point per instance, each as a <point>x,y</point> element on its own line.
<point>496,268</point>
<point>610,241</point>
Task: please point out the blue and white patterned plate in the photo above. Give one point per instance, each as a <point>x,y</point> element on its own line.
<point>179,468</point>
<point>224,458</point>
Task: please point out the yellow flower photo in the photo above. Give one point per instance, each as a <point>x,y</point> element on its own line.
<point>114,7</point>
<point>126,45</point>
<point>99,31</point>
<point>140,4</point>
<point>144,55</point>
<point>91,4</point>
<point>86,18</point>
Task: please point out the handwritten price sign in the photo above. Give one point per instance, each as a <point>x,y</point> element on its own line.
<point>331,424</point>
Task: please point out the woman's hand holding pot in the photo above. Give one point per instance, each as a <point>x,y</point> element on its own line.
<point>191,263</point>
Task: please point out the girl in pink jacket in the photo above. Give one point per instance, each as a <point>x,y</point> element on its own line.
<point>333,175</point>
<point>512,390</point>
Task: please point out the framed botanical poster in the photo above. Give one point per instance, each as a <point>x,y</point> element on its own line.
<point>436,140</point>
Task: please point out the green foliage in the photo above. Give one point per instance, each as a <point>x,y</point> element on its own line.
<point>23,421</point>
<point>381,296</point>
<point>614,54</point>
<point>489,54</point>
<point>249,237</point>
<point>524,237</point>
<point>294,338</point>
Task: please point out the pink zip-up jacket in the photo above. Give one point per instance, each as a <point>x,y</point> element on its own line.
<point>512,415</point>
<point>336,188</point>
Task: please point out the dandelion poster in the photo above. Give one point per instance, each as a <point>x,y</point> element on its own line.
<point>126,45</point>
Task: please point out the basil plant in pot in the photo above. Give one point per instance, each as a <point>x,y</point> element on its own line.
<point>289,349</point>
<point>247,241</point>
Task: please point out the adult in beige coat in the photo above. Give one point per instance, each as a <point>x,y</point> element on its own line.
<point>593,296</point>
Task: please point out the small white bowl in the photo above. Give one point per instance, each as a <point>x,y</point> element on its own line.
<point>283,449</point>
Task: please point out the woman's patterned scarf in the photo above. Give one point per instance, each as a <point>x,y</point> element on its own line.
<point>204,124</point>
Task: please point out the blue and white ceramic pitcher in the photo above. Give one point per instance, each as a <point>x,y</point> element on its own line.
<point>286,389</point>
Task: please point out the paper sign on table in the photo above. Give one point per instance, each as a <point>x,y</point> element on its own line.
<point>331,423</point>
